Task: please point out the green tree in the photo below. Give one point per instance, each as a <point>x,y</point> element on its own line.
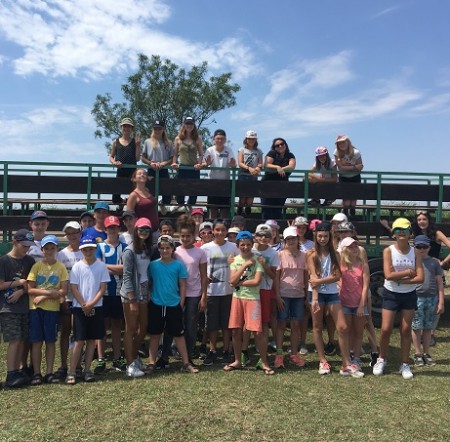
<point>161,89</point>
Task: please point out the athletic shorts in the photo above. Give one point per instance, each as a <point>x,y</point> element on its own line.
<point>399,301</point>
<point>246,311</point>
<point>14,326</point>
<point>162,318</point>
<point>265,297</point>
<point>43,325</point>
<point>218,312</point>
<point>326,298</point>
<point>425,315</point>
<point>112,307</point>
<point>294,308</point>
<point>86,328</point>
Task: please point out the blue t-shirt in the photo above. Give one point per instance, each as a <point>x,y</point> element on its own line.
<point>164,277</point>
<point>97,234</point>
<point>111,255</point>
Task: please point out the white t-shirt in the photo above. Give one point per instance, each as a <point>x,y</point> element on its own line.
<point>126,237</point>
<point>69,258</point>
<point>218,269</point>
<point>192,258</point>
<point>271,257</point>
<point>352,161</point>
<point>219,159</point>
<point>88,279</point>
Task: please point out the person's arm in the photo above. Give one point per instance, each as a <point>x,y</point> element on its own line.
<point>182,285</point>
<point>176,146</point>
<point>241,163</point>
<point>236,273</point>
<point>204,286</point>
<point>115,269</point>
<point>112,155</point>
<point>76,294</point>
<point>365,290</point>
<point>268,269</point>
<point>132,201</point>
<point>129,270</point>
<point>276,287</point>
<point>290,166</point>
<point>313,177</point>
<point>390,274</point>
<point>420,274</point>
<point>88,306</point>
<point>18,292</point>
<point>137,141</point>
<point>232,160</point>
<point>255,281</point>
<point>199,163</point>
<point>441,300</point>
<point>441,238</point>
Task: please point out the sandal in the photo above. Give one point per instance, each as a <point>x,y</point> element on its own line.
<point>61,373</point>
<point>188,368</point>
<point>149,368</point>
<point>231,367</point>
<point>36,379</point>
<point>71,378</point>
<point>88,376</point>
<point>267,370</point>
<point>50,378</point>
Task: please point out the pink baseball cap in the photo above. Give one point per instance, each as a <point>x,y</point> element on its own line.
<point>143,222</point>
<point>321,150</point>
<point>340,138</point>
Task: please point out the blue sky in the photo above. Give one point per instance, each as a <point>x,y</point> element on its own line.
<point>378,71</point>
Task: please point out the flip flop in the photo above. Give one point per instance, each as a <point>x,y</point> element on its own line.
<point>230,367</point>
<point>267,371</point>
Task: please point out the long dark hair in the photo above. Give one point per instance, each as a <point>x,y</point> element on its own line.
<point>316,252</point>
<point>285,143</point>
<point>326,165</point>
<point>431,229</point>
<point>142,246</point>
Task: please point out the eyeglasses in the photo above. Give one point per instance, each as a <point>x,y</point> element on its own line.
<point>279,145</point>
<point>144,230</point>
<point>421,247</point>
<point>400,230</point>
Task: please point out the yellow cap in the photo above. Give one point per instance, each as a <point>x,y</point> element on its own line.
<point>401,223</point>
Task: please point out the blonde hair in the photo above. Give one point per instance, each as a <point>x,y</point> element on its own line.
<point>350,150</point>
<point>165,139</point>
<point>347,262</point>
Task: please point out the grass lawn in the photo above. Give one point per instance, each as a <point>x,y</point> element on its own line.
<point>295,404</point>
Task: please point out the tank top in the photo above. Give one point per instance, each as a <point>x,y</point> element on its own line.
<point>351,285</point>
<point>146,208</point>
<point>126,154</point>
<point>435,249</point>
<point>401,262</point>
<point>331,287</point>
<point>188,153</point>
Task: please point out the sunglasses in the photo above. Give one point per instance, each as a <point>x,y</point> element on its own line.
<point>399,230</point>
<point>206,232</point>
<point>144,230</point>
<point>421,212</point>
<point>421,247</point>
<point>279,145</point>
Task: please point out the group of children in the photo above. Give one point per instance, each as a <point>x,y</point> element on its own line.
<point>241,282</point>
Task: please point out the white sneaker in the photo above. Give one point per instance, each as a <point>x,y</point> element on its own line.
<point>303,350</point>
<point>133,371</point>
<point>351,370</point>
<point>324,368</point>
<point>139,364</point>
<point>405,371</point>
<point>378,368</point>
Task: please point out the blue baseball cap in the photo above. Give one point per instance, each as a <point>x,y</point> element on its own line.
<point>49,239</point>
<point>38,214</point>
<point>101,205</point>
<point>245,234</point>
<point>422,240</point>
<point>88,241</point>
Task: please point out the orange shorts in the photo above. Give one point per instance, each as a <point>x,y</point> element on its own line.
<point>246,311</point>
<point>265,296</point>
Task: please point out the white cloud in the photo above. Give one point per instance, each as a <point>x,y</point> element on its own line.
<point>435,104</point>
<point>92,39</point>
<point>385,12</point>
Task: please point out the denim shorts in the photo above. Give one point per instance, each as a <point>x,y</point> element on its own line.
<point>425,315</point>
<point>326,298</point>
<point>293,309</point>
<point>353,310</point>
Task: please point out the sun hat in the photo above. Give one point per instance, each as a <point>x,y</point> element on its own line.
<point>205,225</point>
<point>87,241</point>
<point>197,211</point>
<point>72,225</point>
<point>251,134</point>
<point>321,150</point>
<point>49,239</point>
<point>422,240</point>
<point>25,237</point>
<point>234,230</point>
<point>401,223</point>
<point>339,217</point>
<point>300,221</point>
<point>143,222</point>
<point>101,205</point>
<point>245,234</point>
<point>272,223</point>
<point>128,121</point>
<point>38,214</point>
<point>340,138</point>
<point>112,221</point>
<point>290,232</point>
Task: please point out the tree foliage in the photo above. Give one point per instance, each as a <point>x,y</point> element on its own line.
<point>162,90</point>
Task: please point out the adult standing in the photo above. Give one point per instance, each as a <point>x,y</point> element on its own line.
<point>280,162</point>
<point>126,150</point>
<point>157,154</point>
<point>188,152</point>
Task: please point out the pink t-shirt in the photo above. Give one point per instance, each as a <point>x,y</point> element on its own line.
<point>351,286</point>
<point>192,258</point>
<point>292,274</point>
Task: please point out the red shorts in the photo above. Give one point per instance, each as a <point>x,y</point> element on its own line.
<point>246,311</point>
<point>265,297</point>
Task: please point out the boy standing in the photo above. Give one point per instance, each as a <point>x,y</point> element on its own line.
<point>88,280</point>
<point>14,269</point>
<point>47,282</point>
<point>38,225</point>
<point>222,156</point>
<point>97,231</point>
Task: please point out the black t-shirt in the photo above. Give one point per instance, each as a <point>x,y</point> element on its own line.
<point>281,161</point>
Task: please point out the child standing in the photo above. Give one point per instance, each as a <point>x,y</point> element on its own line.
<point>354,293</point>
<point>403,270</point>
<point>321,173</point>
<point>245,276</point>
<point>165,311</point>
<point>47,282</point>
<point>290,287</point>
<point>221,156</point>
<point>97,231</point>
<point>88,280</point>
<point>430,302</point>
<point>38,225</point>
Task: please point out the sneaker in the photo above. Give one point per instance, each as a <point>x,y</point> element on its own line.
<point>357,362</point>
<point>279,361</point>
<point>226,358</point>
<point>133,371</point>
<point>303,350</point>
<point>373,358</point>
<point>297,360</point>
<point>351,370</point>
<point>428,360</point>
<point>419,360</point>
<point>139,364</point>
<point>330,349</point>
<point>405,371</point>
<point>161,364</point>
<point>100,366</point>
<point>15,379</point>
<point>120,364</point>
<point>324,368</point>
<point>61,373</point>
<point>202,352</point>
<point>245,359</point>
<point>378,368</point>
<point>211,358</point>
